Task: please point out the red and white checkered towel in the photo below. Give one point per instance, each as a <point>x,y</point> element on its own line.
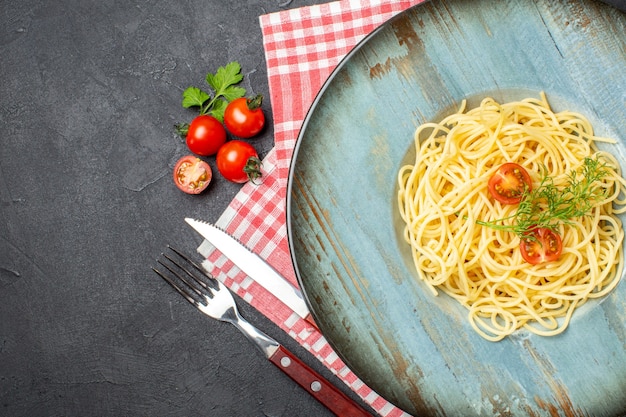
<point>302,48</point>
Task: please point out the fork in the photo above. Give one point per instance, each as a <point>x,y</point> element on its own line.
<point>212,298</point>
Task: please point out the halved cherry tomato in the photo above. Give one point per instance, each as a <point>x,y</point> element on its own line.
<point>243,117</point>
<point>509,183</point>
<point>542,245</point>
<point>205,135</point>
<point>192,175</point>
<point>238,161</point>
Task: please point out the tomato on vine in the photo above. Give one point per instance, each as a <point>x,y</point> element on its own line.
<point>238,161</point>
<point>244,117</point>
<point>204,135</point>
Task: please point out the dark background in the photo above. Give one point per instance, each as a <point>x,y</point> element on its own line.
<point>89,93</point>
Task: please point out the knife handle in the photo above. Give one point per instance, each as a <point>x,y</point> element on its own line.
<point>326,393</point>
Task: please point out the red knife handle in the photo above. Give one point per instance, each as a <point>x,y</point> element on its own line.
<point>326,393</point>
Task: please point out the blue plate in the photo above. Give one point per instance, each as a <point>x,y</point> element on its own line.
<point>416,350</point>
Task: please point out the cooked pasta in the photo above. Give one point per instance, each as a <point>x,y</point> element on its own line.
<point>444,201</point>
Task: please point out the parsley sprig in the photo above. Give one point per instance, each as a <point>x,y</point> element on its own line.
<point>223,83</point>
<point>548,206</point>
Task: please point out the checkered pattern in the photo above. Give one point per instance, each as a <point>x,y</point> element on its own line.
<point>302,47</point>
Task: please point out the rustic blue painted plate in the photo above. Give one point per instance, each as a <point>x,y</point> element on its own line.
<point>416,350</point>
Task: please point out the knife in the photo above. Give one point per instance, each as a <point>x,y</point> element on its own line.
<point>254,266</point>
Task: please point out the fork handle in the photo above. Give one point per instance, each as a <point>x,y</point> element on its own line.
<point>325,392</point>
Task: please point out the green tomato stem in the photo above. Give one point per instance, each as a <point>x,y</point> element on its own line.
<point>255,102</point>
<point>253,168</point>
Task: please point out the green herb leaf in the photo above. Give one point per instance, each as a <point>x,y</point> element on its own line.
<point>223,83</point>
<point>224,77</point>
<point>193,96</point>
<point>547,206</point>
<point>219,106</point>
<point>233,92</point>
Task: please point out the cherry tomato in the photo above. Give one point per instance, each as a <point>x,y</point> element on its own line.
<point>244,118</point>
<point>509,183</point>
<point>543,245</point>
<point>192,175</point>
<point>238,161</point>
<point>205,135</point>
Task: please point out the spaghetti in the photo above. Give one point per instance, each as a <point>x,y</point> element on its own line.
<point>444,202</point>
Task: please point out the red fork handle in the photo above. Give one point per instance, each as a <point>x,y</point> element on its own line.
<point>325,392</point>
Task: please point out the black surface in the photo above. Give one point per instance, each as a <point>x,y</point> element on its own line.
<point>89,92</point>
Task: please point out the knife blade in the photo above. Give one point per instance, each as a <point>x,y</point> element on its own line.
<point>254,266</point>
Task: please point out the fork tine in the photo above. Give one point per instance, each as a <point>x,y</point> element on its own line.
<point>208,281</point>
<point>176,273</point>
<point>192,285</point>
<point>192,263</point>
<point>196,280</point>
<point>183,280</point>
<point>186,295</point>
